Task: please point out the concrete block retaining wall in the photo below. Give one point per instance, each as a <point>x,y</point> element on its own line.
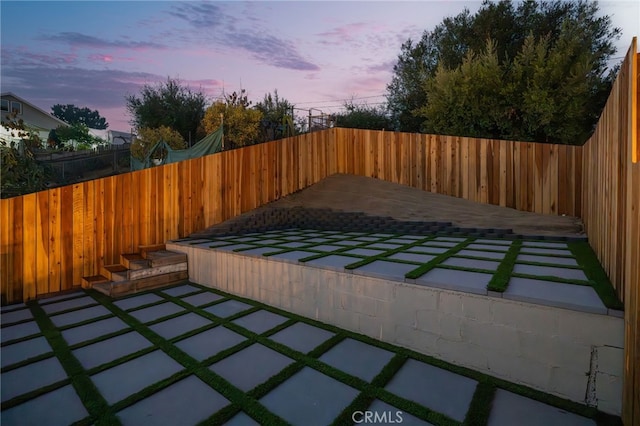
<point>571,354</point>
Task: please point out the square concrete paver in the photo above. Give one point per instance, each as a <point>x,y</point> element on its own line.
<point>484,254</point>
<point>174,327</point>
<point>291,244</point>
<point>259,251</point>
<point>228,308</point>
<point>214,244</point>
<point>388,414</point>
<point>260,321</point>
<point>19,331</point>
<point>46,409</point>
<point>187,402</point>
<point>400,241</point>
<point>412,257</point>
<point>208,343</point>
<point>386,270</point>
<point>344,243</point>
<point>93,330</point>
<point>203,298</point>
<point>452,239</point>
<point>550,271</point>
<point>63,296</point>
<point>123,380</point>
<point>364,252</point>
<point>440,243</point>
<point>79,316</point>
<point>31,377</point>
<point>333,261</point>
<point>471,263</point>
<point>511,409</point>
<point>385,245</point>
<point>16,316</point>
<point>136,301</point>
<point>251,366</point>
<point>452,279</point>
<point>569,296</point>
<point>545,251</point>
<point>233,247</point>
<point>302,337</point>
<point>427,249</point>
<point>111,349</point>
<point>367,239</point>
<point>309,398</point>
<point>241,419</point>
<point>68,304</point>
<point>12,307</point>
<point>267,241</point>
<point>181,290</point>
<point>440,390</point>
<point>357,358</point>
<point>569,261</point>
<point>485,247</point>
<point>489,241</point>
<point>545,244</point>
<point>24,350</point>
<point>156,311</point>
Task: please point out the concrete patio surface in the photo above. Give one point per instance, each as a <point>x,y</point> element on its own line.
<point>190,354</point>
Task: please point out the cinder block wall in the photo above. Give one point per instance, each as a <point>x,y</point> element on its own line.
<point>571,354</point>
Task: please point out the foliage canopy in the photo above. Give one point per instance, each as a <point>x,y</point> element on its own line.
<point>241,122</point>
<point>147,138</point>
<point>550,51</point>
<point>358,116</point>
<point>74,115</point>
<point>169,104</point>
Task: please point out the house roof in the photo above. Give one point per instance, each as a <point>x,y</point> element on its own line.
<point>24,101</point>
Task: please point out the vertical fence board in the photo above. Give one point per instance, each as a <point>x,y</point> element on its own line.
<point>30,229</point>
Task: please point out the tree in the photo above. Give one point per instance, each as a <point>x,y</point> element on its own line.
<point>73,115</point>
<point>241,123</point>
<point>277,118</point>
<point>508,26</point>
<point>147,138</point>
<point>78,133</point>
<point>168,104</point>
<point>364,117</point>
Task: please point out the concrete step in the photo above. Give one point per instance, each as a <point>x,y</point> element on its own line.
<point>117,289</point>
<point>133,261</point>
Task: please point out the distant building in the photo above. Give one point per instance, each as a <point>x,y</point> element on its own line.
<point>34,118</point>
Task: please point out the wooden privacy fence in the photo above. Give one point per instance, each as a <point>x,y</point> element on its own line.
<point>611,210</point>
<point>51,239</point>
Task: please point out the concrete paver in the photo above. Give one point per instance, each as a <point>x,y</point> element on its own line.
<point>334,261</point>
<point>550,271</point>
<point>52,308</point>
<point>123,380</point>
<point>175,327</point>
<point>93,330</point>
<point>227,308</point>
<point>510,409</point>
<point>302,337</point>
<point>386,270</point>
<point>242,370</point>
<point>180,290</point>
<point>309,398</point>
<point>452,279</point>
<point>111,349</point>
<point>156,311</point>
<point>187,402</point>
<point>357,358</point>
<point>45,409</point>
<point>569,261</point>
<point>20,351</point>
<point>137,301</point>
<point>19,331</point>
<point>388,414</point>
<point>16,316</point>
<point>471,263</point>
<point>570,296</point>
<point>74,317</point>
<point>201,299</point>
<point>260,321</point>
<point>30,377</point>
<point>433,387</point>
<point>208,343</point>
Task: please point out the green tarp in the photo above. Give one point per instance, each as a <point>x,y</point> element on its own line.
<point>210,144</point>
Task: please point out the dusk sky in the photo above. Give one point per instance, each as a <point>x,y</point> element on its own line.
<point>317,54</point>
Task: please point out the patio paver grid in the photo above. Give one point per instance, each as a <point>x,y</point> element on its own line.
<point>543,272</point>
<point>251,363</point>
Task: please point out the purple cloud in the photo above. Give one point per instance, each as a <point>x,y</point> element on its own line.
<point>83,40</point>
<point>203,15</point>
<point>271,50</point>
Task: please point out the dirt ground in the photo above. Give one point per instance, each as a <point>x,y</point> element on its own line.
<point>381,198</point>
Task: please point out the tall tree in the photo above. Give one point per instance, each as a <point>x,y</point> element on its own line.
<point>508,25</point>
<point>364,117</point>
<point>277,117</point>
<point>169,104</point>
<point>72,114</point>
<point>241,122</point>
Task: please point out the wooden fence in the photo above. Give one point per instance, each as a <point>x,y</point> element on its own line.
<point>51,239</point>
<point>611,210</point>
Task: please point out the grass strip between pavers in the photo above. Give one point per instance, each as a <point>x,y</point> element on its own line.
<point>500,280</point>
<point>97,407</point>
<point>597,275</point>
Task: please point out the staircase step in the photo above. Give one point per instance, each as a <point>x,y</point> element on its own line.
<point>144,250</point>
<point>114,272</point>
<point>124,288</point>
<point>156,271</point>
<point>133,261</point>
<point>165,257</point>
<point>88,282</point>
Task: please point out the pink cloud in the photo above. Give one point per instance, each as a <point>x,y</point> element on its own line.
<point>107,58</point>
